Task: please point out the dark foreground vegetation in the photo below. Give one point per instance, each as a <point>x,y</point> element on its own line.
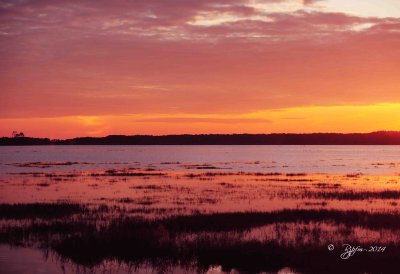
<point>39,210</point>
<point>88,236</point>
<point>374,138</point>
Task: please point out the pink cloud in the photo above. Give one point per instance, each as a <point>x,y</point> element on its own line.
<point>311,2</point>
<point>92,58</point>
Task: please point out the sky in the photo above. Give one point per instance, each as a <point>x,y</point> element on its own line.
<point>93,68</point>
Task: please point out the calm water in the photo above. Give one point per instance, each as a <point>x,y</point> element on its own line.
<point>312,159</point>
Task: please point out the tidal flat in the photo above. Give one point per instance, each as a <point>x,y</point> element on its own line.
<point>142,220</point>
<point>177,216</point>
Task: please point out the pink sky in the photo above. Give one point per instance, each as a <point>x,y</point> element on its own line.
<point>71,68</point>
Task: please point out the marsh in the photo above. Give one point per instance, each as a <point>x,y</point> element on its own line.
<point>134,211</point>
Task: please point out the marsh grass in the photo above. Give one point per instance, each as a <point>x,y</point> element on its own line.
<point>352,195</point>
<point>85,237</point>
<point>126,173</point>
<point>135,228</point>
<point>39,210</point>
<point>46,164</point>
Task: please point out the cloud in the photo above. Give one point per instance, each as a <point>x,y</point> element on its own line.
<point>72,58</point>
<point>165,19</point>
<point>288,26</point>
<point>191,120</point>
<point>310,2</point>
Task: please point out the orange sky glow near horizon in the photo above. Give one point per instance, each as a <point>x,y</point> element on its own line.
<point>94,68</point>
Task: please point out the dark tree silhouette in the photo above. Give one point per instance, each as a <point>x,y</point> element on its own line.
<point>15,134</point>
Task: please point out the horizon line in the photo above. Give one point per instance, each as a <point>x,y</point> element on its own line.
<point>209,134</point>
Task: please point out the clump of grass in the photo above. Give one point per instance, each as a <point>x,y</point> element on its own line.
<point>240,173</point>
<point>125,173</point>
<point>39,210</point>
<point>206,167</point>
<point>325,185</point>
<point>229,185</point>
<point>125,200</point>
<point>353,195</point>
<point>296,174</point>
<point>46,164</point>
<point>283,180</point>
<point>152,187</point>
<point>263,173</point>
<point>67,175</point>
<point>315,203</point>
<point>353,175</point>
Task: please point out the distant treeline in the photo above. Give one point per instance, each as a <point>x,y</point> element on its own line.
<point>374,138</point>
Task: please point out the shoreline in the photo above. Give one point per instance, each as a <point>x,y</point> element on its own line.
<point>373,138</point>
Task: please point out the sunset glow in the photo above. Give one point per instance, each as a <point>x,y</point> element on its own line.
<point>94,68</point>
